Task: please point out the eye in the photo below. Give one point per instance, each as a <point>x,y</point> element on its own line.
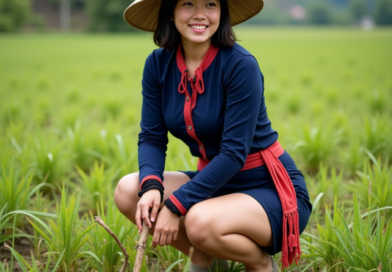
<point>187,4</point>
<point>211,5</point>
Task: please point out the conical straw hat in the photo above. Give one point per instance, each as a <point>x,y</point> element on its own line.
<point>143,14</point>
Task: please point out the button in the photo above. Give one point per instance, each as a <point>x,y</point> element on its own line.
<point>187,98</point>
<point>190,127</point>
<point>201,147</point>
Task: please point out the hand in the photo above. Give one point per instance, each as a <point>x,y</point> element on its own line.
<point>166,228</point>
<point>150,199</point>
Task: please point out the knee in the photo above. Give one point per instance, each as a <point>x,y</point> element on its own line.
<point>125,195</point>
<point>198,225</point>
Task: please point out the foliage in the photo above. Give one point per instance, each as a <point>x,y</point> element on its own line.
<point>35,266</point>
<point>102,243</point>
<point>358,9</point>
<point>79,100</point>
<point>375,136</point>
<point>167,255</point>
<point>353,242</point>
<point>9,230</point>
<point>317,145</point>
<point>383,14</point>
<point>320,14</point>
<point>329,182</point>
<point>49,161</point>
<point>13,14</point>
<point>108,15</point>
<point>5,225</point>
<point>79,146</point>
<point>96,185</point>
<point>375,178</point>
<point>74,3</point>
<point>320,248</point>
<point>15,189</point>
<point>67,234</point>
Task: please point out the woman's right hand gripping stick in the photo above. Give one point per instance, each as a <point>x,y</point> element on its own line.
<point>150,200</point>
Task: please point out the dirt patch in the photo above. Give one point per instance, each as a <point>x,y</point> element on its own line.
<point>23,246</point>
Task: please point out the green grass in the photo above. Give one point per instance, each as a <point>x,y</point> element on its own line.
<point>67,234</point>
<point>70,113</point>
<point>352,242</point>
<point>95,185</point>
<point>101,243</point>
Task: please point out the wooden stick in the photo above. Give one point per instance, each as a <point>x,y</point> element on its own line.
<point>141,247</point>
<point>100,221</point>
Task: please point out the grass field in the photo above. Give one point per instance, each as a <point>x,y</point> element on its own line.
<point>69,119</point>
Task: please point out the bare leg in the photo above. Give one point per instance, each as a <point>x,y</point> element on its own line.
<point>126,199</point>
<point>230,227</point>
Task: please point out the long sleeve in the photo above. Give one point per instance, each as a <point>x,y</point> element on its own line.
<point>153,135</point>
<point>244,95</point>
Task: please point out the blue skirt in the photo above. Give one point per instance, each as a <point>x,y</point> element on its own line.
<point>258,183</point>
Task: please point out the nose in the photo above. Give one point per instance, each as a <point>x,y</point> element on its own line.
<point>199,13</point>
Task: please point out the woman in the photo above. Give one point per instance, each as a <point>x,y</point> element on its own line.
<point>247,200</point>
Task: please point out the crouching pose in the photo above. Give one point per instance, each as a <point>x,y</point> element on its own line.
<point>247,200</point>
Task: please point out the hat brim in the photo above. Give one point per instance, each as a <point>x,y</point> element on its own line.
<point>143,14</point>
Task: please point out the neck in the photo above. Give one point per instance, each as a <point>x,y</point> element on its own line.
<point>194,53</point>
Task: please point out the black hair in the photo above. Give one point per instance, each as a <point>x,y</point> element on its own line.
<point>167,36</point>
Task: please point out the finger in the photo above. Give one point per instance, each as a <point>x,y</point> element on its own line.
<point>169,239</point>
<point>162,240</point>
<point>175,236</point>
<point>138,219</point>
<point>146,216</point>
<point>154,211</point>
<point>155,238</point>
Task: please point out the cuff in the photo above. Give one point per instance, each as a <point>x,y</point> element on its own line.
<point>151,184</point>
<point>148,178</point>
<point>175,206</point>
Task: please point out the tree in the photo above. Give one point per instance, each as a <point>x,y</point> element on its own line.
<point>13,14</point>
<point>383,15</point>
<point>108,15</point>
<point>74,3</point>
<point>320,14</point>
<point>358,9</point>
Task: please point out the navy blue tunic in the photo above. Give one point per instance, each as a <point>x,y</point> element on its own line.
<point>230,118</point>
<point>230,121</point>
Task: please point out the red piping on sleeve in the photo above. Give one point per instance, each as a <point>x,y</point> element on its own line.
<point>178,204</point>
<point>150,177</point>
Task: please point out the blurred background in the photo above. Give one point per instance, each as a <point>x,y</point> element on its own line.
<point>101,15</point>
<point>70,104</point>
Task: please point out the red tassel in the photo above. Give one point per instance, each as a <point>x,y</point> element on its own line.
<point>290,243</point>
<point>284,186</point>
<point>285,262</point>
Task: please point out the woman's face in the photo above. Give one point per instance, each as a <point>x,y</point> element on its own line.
<point>197,20</point>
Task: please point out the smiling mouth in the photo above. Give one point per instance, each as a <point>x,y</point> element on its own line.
<point>198,27</point>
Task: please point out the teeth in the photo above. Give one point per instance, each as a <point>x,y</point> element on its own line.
<point>199,27</point>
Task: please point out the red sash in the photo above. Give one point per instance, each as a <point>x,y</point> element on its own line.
<point>269,156</point>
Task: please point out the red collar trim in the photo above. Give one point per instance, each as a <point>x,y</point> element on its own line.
<point>198,82</point>
<point>207,60</point>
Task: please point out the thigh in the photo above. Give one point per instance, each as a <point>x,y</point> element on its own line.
<point>171,182</point>
<point>235,213</point>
